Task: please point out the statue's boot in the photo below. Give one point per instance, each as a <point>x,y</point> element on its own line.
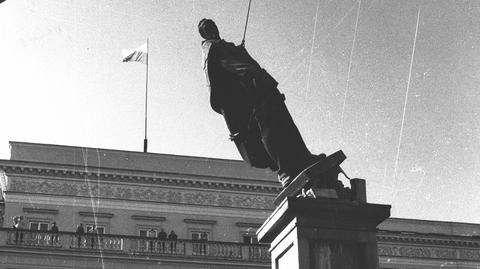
<point>286,178</point>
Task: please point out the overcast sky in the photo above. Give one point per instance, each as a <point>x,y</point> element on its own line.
<point>63,82</point>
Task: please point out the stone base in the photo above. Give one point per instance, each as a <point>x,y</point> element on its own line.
<point>307,233</point>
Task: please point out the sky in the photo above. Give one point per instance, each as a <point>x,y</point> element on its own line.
<point>406,116</point>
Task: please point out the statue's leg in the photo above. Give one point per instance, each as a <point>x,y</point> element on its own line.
<point>282,140</point>
<point>247,137</point>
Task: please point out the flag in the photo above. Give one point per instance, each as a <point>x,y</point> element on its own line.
<point>139,54</point>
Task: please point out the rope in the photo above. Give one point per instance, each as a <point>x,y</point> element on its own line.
<point>246,23</point>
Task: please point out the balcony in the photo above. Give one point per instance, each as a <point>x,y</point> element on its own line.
<point>132,246</point>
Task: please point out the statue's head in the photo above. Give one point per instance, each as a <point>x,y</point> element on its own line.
<point>208,29</point>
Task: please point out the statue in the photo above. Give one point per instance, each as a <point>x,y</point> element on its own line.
<point>253,108</point>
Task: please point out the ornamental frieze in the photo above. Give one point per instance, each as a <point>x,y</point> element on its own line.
<point>428,252</point>
<point>405,251</point>
<point>140,193</point>
<point>148,178</point>
<point>470,255</point>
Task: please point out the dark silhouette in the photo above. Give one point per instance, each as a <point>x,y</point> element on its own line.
<point>80,231</point>
<point>151,233</point>
<point>162,236</point>
<point>203,246</point>
<point>172,236</point>
<point>93,235</point>
<point>253,108</point>
<point>18,225</point>
<point>54,231</point>
<point>173,245</point>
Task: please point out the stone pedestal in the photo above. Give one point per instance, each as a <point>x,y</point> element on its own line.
<point>316,233</point>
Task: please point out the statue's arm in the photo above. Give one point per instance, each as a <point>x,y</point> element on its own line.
<point>239,67</point>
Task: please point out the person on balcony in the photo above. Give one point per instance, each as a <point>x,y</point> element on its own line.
<point>93,234</point>
<point>18,225</point>
<point>152,233</point>
<point>54,231</point>
<point>162,236</point>
<point>203,246</point>
<point>173,245</point>
<point>80,231</point>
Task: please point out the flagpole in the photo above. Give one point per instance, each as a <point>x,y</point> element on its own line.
<point>145,141</point>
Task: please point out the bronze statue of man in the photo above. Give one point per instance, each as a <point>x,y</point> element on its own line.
<point>253,108</point>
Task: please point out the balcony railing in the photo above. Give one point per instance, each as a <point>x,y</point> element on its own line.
<point>133,245</point>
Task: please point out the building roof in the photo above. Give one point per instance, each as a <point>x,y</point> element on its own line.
<point>418,226</point>
<point>133,160</point>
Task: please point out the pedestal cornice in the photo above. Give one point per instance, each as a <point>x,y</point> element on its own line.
<point>323,213</point>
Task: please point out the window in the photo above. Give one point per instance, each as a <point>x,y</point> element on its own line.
<point>250,239</point>
<point>149,244</point>
<point>100,228</point>
<point>200,235</point>
<point>147,232</point>
<point>200,248</point>
<point>39,225</point>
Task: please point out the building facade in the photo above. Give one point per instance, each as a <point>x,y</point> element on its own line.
<point>164,211</point>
